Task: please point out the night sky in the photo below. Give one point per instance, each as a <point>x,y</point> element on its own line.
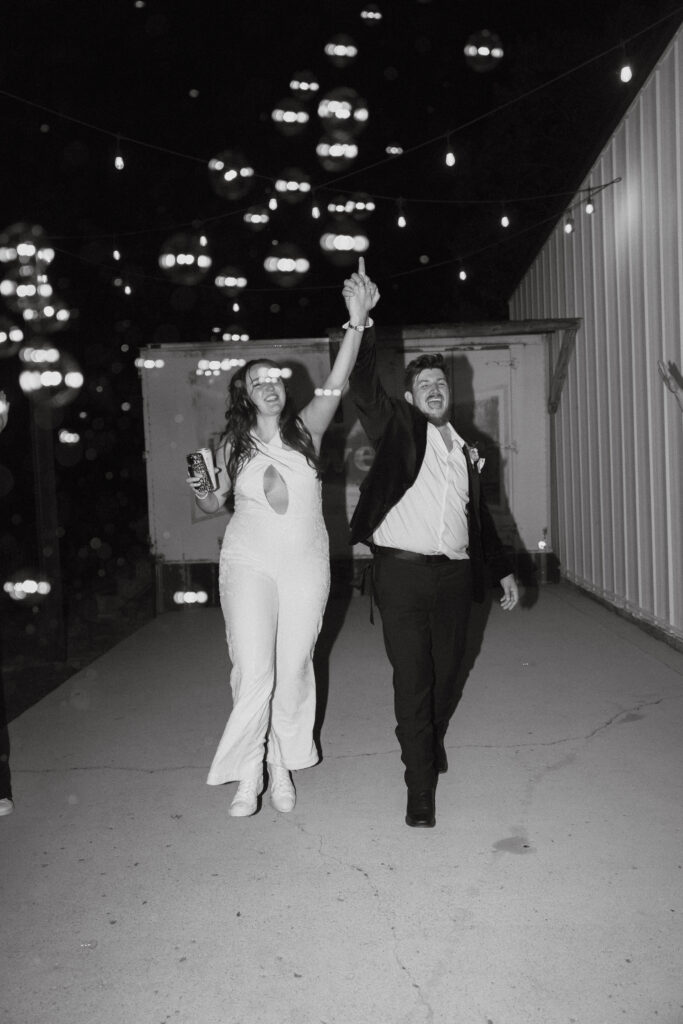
<point>170,85</point>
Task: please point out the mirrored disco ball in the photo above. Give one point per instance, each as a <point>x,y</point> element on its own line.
<point>335,154</point>
<point>304,83</point>
<point>292,185</point>
<point>49,376</point>
<point>27,586</point>
<point>341,50</point>
<point>185,258</point>
<point>230,174</point>
<point>359,205</point>
<point>230,281</point>
<point>483,51</point>
<point>256,218</point>
<point>343,113</point>
<point>286,264</point>
<point>290,116</point>
<point>343,242</point>
<point>11,337</point>
<point>25,243</point>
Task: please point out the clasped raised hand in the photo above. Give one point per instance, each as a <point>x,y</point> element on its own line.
<point>361,294</point>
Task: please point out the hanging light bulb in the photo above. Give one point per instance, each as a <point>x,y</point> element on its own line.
<point>590,205</point>
<point>568,224</point>
<point>463,274</point>
<point>450,154</point>
<point>401,218</point>
<point>119,162</point>
<point>505,221</point>
<point>315,210</point>
<point>625,72</point>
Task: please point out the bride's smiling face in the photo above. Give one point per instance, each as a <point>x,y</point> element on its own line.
<point>265,389</point>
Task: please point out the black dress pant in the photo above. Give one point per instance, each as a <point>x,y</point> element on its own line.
<point>425,608</point>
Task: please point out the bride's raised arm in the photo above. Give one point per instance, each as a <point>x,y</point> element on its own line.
<point>360,295</point>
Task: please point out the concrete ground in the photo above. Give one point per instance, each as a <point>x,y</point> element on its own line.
<point>550,891</point>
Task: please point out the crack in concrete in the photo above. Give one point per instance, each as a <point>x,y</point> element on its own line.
<point>377,753</point>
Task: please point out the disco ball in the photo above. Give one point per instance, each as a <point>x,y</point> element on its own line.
<point>360,206</point>
<point>343,113</point>
<point>256,217</point>
<point>305,83</point>
<point>335,154</point>
<point>230,281</point>
<point>49,377</point>
<point>292,185</point>
<point>371,14</point>
<point>483,51</point>
<point>25,243</point>
<point>343,242</point>
<point>28,587</point>
<point>230,174</point>
<point>341,50</point>
<point>11,337</point>
<point>185,259</point>
<point>290,116</point>
<point>286,264</point>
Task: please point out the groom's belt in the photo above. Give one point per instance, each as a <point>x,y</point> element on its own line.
<point>407,556</point>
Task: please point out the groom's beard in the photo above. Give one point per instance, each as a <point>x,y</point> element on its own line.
<point>439,420</point>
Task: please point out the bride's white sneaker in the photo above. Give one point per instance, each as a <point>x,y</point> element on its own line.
<point>282,792</point>
<point>245,800</point>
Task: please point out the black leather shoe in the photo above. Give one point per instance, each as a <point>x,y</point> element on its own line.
<point>440,758</point>
<point>420,810</point>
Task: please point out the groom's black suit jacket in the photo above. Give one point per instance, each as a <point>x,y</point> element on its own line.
<point>398,432</point>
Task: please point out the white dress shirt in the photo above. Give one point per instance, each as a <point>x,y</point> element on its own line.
<point>431,517</point>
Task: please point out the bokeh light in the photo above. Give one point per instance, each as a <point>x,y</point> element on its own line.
<point>290,116</point>
<point>293,184</point>
<point>341,50</point>
<point>230,281</point>
<point>256,217</point>
<point>334,154</point>
<point>483,51</point>
<point>343,243</point>
<point>286,264</point>
<point>343,113</point>
<point>230,174</point>
<point>185,258</point>
<point>11,337</point>
<point>50,377</point>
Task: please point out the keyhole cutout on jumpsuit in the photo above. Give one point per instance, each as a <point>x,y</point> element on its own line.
<point>275,490</point>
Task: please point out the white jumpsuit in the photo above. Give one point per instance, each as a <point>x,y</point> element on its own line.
<point>274,580</point>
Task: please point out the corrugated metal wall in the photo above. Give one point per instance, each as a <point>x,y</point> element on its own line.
<point>618,432</point>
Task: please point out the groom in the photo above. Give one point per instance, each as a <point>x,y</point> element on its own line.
<point>422,512</point>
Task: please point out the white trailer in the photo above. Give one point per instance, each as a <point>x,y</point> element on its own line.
<point>501,380</point>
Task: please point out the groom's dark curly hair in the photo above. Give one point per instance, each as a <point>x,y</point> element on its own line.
<point>429,361</point>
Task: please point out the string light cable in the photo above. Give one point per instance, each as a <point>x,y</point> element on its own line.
<point>440,138</point>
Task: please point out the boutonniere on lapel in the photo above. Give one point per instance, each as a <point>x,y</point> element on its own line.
<point>477,462</point>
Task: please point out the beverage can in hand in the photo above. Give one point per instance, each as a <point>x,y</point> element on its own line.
<point>201,466</point>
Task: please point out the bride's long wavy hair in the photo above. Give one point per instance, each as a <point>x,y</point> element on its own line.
<point>240,420</point>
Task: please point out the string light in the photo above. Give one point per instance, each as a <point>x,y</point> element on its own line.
<point>568,224</point>
<point>590,205</point>
<point>505,221</point>
<point>625,71</point>
<point>401,217</point>
<point>119,162</point>
<point>462,274</point>
<point>450,154</point>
